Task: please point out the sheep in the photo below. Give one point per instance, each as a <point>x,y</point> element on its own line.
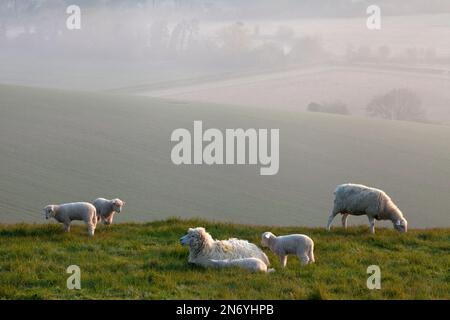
<point>357,199</point>
<point>298,244</point>
<point>250,264</point>
<point>67,212</point>
<point>203,248</point>
<point>106,209</point>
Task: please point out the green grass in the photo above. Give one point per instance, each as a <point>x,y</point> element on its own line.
<point>146,261</point>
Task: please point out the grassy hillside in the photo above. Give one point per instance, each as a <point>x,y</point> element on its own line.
<point>146,261</point>
<point>60,146</point>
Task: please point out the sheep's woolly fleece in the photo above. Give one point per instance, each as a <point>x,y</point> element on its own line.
<point>250,264</point>
<point>357,199</point>
<point>203,248</point>
<point>67,212</point>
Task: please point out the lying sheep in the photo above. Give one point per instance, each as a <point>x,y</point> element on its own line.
<point>67,212</point>
<point>298,244</point>
<point>106,209</point>
<point>203,248</point>
<point>356,199</point>
<point>250,264</point>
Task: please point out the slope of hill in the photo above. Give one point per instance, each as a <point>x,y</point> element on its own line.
<point>146,261</point>
<point>58,146</point>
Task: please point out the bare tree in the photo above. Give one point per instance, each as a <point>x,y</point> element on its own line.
<point>336,107</point>
<point>235,38</point>
<point>397,104</point>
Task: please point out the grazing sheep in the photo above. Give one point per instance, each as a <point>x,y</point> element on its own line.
<point>356,199</point>
<point>106,209</point>
<point>203,248</point>
<point>250,264</point>
<point>67,212</point>
<point>298,244</point>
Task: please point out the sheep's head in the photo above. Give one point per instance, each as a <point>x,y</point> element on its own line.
<point>195,237</point>
<point>117,205</point>
<point>49,211</point>
<point>401,225</point>
<point>265,238</point>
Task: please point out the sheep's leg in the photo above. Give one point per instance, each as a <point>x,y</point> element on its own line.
<point>91,229</point>
<point>330,219</point>
<point>311,254</point>
<point>344,220</point>
<point>304,259</point>
<point>372,225</point>
<point>108,220</point>
<point>283,260</point>
<point>67,226</point>
<point>94,221</point>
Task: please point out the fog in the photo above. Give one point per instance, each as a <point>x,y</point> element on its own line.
<point>140,43</point>
<point>238,63</point>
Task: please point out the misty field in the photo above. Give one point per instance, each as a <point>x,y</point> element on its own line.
<point>295,88</point>
<point>59,146</point>
<point>146,261</point>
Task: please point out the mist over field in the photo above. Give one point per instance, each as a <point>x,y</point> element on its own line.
<point>89,113</point>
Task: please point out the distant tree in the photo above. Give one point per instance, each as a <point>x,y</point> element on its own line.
<point>314,107</point>
<point>235,38</point>
<point>412,54</point>
<point>285,33</point>
<point>363,53</point>
<point>397,104</point>
<point>336,107</point>
<point>307,49</point>
<point>268,54</point>
<point>159,36</point>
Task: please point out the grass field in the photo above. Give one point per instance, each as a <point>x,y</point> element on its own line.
<point>146,261</point>
<point>60,146</point>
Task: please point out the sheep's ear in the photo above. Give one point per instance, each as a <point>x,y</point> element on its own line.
<point>201,231</point>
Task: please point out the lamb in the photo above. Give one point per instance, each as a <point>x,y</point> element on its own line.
<point>356,199</point>
<point>250,264</point>
<point>106,209</point>
<point>298,244</point>
<point>203,248</point>
<point>67,212</point>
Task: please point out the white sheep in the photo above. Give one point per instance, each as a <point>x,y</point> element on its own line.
<point>357,199</point>
<point>250,264</point>
<point>106,209</point>
<point>298,244</point>
<point>67,212</point>
<point>203,248</point>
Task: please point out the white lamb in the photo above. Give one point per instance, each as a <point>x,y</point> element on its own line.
<point>106,209</point>
<point>357,199</point>
<point>67,212</point>
<point>298,244</point>
<point>250,264</point>
<point>203,248</point>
